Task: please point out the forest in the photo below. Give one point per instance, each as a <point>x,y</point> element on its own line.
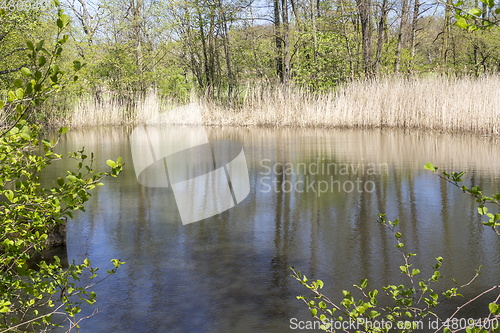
<point>222,50</point>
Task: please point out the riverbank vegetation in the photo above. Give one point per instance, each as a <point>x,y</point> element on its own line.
<point>401,63</point>
<point>37,293</point>
<point>438,103</point>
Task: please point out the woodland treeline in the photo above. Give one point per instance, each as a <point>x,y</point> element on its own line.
<point>220,46</point>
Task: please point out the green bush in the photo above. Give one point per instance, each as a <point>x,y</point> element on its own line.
<point>33,293</point>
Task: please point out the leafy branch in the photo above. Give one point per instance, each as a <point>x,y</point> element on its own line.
<point>407,308</point>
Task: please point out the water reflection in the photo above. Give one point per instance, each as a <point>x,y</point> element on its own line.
<point>229,272</point>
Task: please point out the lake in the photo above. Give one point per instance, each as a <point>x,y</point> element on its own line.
<point>229,272</point>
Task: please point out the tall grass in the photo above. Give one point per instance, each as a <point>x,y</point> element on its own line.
<point>439,103</point>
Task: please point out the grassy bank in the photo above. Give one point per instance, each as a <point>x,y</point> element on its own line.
<point>447,104</point>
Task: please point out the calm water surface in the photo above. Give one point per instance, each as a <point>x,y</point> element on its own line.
<point>228,273</point>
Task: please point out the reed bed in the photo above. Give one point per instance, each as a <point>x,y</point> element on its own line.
<point>438,103</point>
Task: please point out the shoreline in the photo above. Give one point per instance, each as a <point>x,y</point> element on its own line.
<point>489,135</point>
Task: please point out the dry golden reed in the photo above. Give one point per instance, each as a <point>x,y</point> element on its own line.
<point>437,103</point>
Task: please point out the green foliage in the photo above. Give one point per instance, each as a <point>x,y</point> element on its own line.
<point>412,301</point>
<point>324,65</point>
<point>172,82</point>
<point>473,18</point>
<point>40,77</point>
<point>455,179</point>
<point>15,26</point>
<point>27,213</point>
<point>32,292</point>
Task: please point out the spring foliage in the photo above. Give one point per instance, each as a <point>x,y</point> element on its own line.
<point>37,295</point>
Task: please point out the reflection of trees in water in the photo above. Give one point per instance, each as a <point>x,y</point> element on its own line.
<point>333,237</point>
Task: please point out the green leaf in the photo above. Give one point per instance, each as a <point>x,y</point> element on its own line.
<point>19,93</point>
<point>29,88</point>
<point>41,61</point>
<point>111,163</point>
<point>71,178</point>
<point>9,195</point>
<point>39,45</point>
<point>26,72</point>
<point>415,271</point>
<point>30,45</point>
<point>462,23</point>
<point>482,210</point>
<point>363,283</point>
<point>5,307</point>
<point>475,11</point>
<point>63,130</point>
<point>430,166</point>
<point>434,296</point>
<point>314,312</point>
<point>55,69</point>
<point>60,181</point>
<point>65,19</point>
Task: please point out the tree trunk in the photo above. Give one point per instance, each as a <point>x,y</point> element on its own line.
<point>315,37</point>
<point>476,46</point>
<point>138,41</point>
<point>346,36</point>
<point>211,52</point>
<point>416,13</point>
<point>227,54</point>
<point>402,24</point>
<point>446,33</point>
<point>190,48</point>
<point>296,14</point>
<point>278,41</point>
<point>364,7</point>
<point>380,35</point>
<point>286,41</point>
<point>203,46</point>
